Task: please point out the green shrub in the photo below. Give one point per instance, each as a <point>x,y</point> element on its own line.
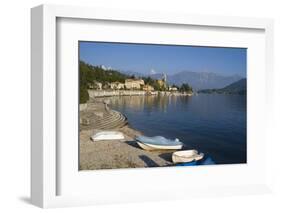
<point>84,95</point>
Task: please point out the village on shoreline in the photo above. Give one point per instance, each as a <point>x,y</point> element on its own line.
<point>97,85</point>
<point>96,82</point>
<point>136,86</point>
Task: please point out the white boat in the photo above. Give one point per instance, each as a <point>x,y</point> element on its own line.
<point>158,143</point>
<point>151,147</point>
<point>186,156</point>
<point>107,135</point>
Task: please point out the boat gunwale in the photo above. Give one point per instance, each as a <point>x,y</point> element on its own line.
<point>159,144</point>
<point>175,143</point>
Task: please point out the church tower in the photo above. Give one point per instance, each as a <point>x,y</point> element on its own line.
<point>164,77</point>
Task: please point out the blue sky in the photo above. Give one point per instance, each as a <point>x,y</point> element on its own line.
<point>167,59</point>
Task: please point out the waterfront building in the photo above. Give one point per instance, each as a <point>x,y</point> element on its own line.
<point>96,85</point>
<point>117,85</point>
<point>173,89</point>
<point>134,83</point>
<point>90,85</point>
<point>163,82</point>
<point>148,88</point>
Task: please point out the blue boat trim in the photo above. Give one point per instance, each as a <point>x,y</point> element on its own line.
<point>158,140</point>
<point>204,161</point>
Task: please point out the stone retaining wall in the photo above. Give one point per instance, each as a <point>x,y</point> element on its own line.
<point>105,93</point>
<point>108,93</point>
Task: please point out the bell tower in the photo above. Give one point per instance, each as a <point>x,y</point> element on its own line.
<point>165,77</point>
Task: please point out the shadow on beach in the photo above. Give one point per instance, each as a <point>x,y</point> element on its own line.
<point>148,161</point>
<point>166,156</point>
<point>133,144</point>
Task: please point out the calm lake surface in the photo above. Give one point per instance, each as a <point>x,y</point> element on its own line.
<point>211,123</point>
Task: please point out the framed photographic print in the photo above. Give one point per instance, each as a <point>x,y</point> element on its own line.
<point>130,106</point>
<point>135,116</point>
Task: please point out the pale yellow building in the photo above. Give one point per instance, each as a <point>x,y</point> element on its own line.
<point>134,83</point>
<point>148,88</point>
<point>162,83</point>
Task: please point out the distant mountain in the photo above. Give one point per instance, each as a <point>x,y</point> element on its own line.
<point>202,80</point>
<point>132,73</point>
<point>238,87</point>
<point>197,80</point>
<point>156,76</point>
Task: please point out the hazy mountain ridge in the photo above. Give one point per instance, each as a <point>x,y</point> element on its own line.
<point>238,87</point>
<point>197,80</point>
<point>132,73</point>
<point>202,80</point>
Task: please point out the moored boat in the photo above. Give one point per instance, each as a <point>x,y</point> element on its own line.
<point>107,135</point>
<point>187,156</point>
<point>203,161</point>
<point>158,143</point>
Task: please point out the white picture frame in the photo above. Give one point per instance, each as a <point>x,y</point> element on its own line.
<point>45,152</point>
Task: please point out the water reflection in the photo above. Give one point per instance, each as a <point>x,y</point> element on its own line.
<point>215,124</point>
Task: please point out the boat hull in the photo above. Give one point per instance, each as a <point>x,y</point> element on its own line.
<point>186,156</point>
<point>151,147</point>
<point>108,135</point>
<point>206,161</point>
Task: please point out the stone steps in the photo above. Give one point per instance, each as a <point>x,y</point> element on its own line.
<point>114,121</point>
<point>106,116</point>
<point>110,120</point>
<point>121,121</point>
<point>106,121</point>
<point>112,125</point>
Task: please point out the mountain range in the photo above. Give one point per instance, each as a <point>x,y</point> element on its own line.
<point>197,80</point>
<point>202,80</point>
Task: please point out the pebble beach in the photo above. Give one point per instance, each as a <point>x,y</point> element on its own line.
<point>116,153</point>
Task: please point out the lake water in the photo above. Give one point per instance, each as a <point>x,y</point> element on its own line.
<point>211,123</point>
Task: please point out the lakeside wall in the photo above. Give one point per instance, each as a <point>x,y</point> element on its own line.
<point>108,93</point>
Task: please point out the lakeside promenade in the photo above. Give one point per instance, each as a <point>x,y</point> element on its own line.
<point>109,93</point>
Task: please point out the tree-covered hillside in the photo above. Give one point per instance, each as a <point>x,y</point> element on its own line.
<point>90,76</point>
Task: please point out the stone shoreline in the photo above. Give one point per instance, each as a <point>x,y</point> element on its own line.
<point>117,153</point>
<point>109,93</point>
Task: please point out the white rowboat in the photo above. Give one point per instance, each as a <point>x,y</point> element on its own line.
<point>186,156</point>
<point>107,135</point>
<point>158,143</point>
<point>151,147</point>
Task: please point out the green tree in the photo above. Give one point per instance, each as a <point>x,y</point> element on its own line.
<point>185,88</point>
<point>89,74</point>
<point>84,95</point>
